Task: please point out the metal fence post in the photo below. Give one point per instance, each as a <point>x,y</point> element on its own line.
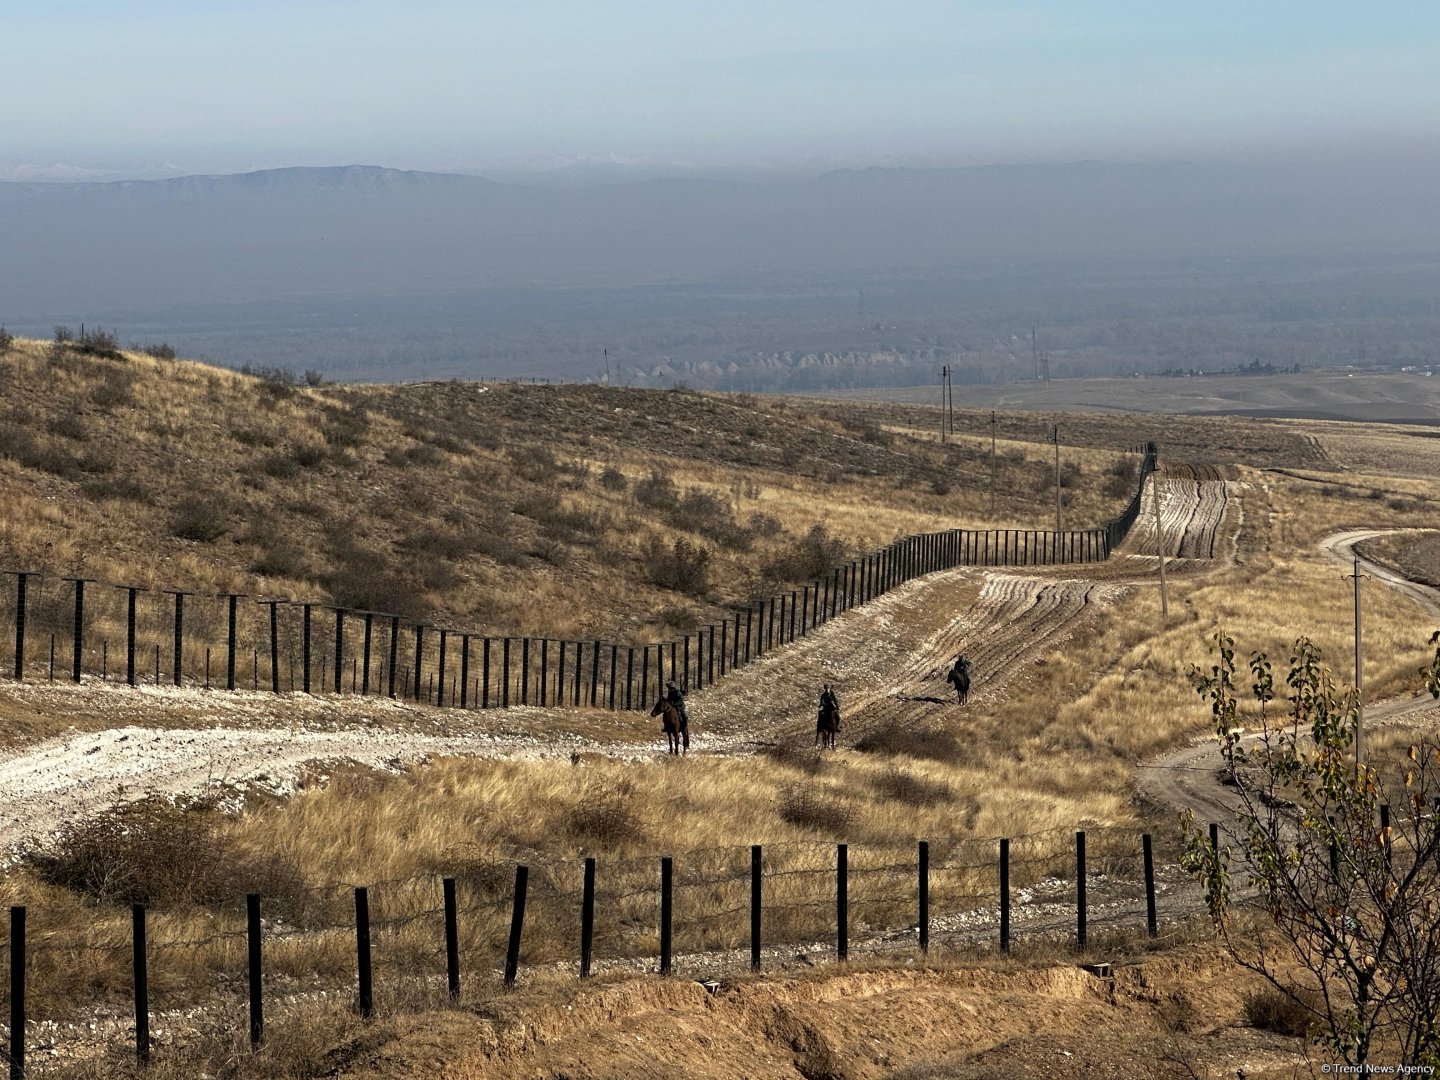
<point>517,924</point>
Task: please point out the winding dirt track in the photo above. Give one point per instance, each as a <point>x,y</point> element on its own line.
<point>999,619</point>
<point>1190,778</point>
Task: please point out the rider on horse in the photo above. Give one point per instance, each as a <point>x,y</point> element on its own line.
<point>828,700</point>
<point>676,697</point>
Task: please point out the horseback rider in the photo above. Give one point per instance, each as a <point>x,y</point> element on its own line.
<point>962,665</point>
<point>828,700</point>
<point>676,697</point>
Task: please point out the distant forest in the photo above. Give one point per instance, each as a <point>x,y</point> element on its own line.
<point>1117,318</point>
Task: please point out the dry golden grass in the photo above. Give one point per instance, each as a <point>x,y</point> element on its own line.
<point>473,506</point>
<point>1055,752</point>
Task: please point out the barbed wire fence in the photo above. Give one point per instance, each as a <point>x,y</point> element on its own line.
<point>707,914</point>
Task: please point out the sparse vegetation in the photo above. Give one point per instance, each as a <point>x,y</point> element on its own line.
<point>200,519</point>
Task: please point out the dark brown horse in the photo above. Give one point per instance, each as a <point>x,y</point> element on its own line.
<point>677,732</point>
<point>959,678</point>
<point>827,723</point>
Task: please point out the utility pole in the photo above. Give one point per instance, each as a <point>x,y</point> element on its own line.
<point>1359,697</point>
<point>950,396</point>
<point>992,463</point>
<point>1057,480</point>
<point>1160,547</point>
<point>944,383</point>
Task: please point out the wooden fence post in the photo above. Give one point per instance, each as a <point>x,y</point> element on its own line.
<point>20,579</point>
<point>132,592</point>
<point>232,639</point>
<point>305,649</point>
<point>667,902</point>
<point>452,939</point>
<point>17,993</point>
<point>253,968</point>
<point>924,895</point>
<point>517,925</point>
<point>505,674</point>
<point>394,651</point>
<point>1080,906</point>
<point>594,672</point>
<point>464,671</point>
<point>756,878</point>
<point>1151,923</point>
<point>842,901</point>
<point>362,952</point>
<point>587,919</point>
<point>142,984</point>
<point>1005,895</point>
<point>440,663</point>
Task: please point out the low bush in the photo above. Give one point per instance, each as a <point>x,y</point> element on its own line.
<point>608,818</point>
<point>612,479</point>
<point>656,490</point>
<point>806,807</point>
<point>113,391</point>
<point>199,519</point>
<point>7,340</point>
<point>909,740</point>
<point>1269,1009</point>
<point>810,556</point>
<point>910,789</point>
<point>158,853</point>
<point>681,566</point>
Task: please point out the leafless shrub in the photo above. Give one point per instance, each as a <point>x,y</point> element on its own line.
<point>1268,1009</point>
<point>681,566</point>
<point>911,741</point>
<point>113,391</point>
<point>199,519</point>
<point>612,479</point>
<point>608,818</point>
<point>160,853</point>
<point>656,490</point>
<point>810,556</point>
<point>808,808</point>
<point>906,787</point>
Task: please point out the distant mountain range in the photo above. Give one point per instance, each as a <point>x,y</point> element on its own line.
<point>354,230</point>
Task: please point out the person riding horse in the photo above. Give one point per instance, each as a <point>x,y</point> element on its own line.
<point>676,697</point>
<point>827,722</point>
<point>959,677</point>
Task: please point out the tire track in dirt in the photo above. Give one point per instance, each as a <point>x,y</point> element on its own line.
<point>1191,513</point>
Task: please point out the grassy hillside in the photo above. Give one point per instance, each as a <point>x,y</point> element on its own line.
<point>546,510</point>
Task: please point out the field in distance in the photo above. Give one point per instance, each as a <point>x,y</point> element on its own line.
<point>1337,394</point>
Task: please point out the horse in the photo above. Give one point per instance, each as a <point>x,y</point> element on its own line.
<point>677,732</point>
<point>959,677</point>
<point>827,723</point>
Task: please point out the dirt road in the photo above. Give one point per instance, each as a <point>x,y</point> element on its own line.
<point>1190,778</point>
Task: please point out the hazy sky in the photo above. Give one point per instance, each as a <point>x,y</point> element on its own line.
<point>218,86</point>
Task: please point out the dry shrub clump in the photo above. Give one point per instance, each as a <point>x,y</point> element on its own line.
<point>907,787</point>
<point>608,818</point>
<point>1269,1009</point>
<point>160,853</point>
<point>809,808</point>
<point>900,740</point>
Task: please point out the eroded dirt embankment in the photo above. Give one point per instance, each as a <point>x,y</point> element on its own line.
<point>1048,1021</point>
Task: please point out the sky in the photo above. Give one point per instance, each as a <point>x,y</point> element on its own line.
<point>97,89</point>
